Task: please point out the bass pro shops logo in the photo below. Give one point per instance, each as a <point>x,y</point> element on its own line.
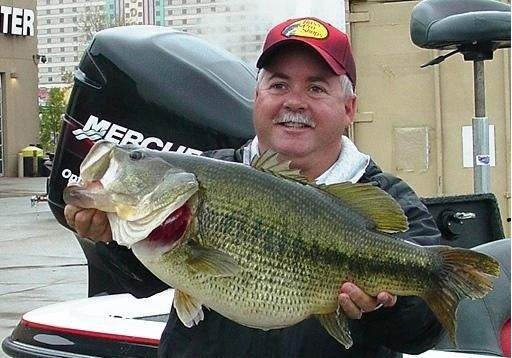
<point>96,129</point>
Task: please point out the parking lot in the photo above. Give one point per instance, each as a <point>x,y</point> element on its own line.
<point>40,261</point>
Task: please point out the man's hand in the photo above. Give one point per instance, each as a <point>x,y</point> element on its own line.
<point>355,301</point>
<point>90,223</point>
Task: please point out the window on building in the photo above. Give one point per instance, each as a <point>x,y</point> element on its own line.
<point>48,21</point>
<point>62,49</point>
<point>50,79</point>
<point>62,59</point>
<point>183,11</point>
<point>50,69</point>
<point>198,11</point>
<point>48,40</point>
<point>49,50</point>
<point>61,11</point>
<point>61,29</point>
<point>62,39</point>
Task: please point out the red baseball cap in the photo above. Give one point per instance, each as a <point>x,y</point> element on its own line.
<point>329,42</point>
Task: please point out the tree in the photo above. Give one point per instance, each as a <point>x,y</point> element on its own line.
<point>50,119</point>
<point>97,19</point>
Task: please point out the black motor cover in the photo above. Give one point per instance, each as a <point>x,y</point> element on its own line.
<point>153,86</point>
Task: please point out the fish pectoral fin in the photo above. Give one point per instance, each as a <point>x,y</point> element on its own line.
<point>188,308</point>
<point>336,324</point>
<point>211,261</point>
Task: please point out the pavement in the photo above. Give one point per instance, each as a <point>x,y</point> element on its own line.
<point>40,261</point>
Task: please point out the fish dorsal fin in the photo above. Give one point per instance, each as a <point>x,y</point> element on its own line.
<point>188,308</point>
<point>267,162</point>
<point>372,202</point>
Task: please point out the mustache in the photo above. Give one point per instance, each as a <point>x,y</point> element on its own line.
<point>295,117</point>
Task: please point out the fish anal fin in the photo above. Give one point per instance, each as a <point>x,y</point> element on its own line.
<point>188,308</point>
<point>336,324</point>
<point>371,202</point>
<point>211,261</point>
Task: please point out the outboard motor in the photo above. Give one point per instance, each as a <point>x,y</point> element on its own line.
<point>155,87</point>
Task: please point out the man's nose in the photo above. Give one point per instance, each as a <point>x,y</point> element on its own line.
<point>295,102</point>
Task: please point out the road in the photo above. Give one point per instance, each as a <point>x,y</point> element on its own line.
<point>40,261</point>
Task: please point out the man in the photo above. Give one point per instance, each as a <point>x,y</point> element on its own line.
<point>304,102</point>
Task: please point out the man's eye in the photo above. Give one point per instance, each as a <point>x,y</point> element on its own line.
<point>317,89</point>
<point>278,85</point>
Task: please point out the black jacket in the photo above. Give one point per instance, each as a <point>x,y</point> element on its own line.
<point>408,327</point>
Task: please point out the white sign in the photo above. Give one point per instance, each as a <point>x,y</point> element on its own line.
<point>16,21</point>
<point>467,148</point>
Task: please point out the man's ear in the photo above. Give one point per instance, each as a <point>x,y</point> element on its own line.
<point>351,108</point>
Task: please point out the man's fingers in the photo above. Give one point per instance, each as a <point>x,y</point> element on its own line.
<point>83,220</point>
<point>349,307</point>
<point>97,225</point>
<point>70,212</point>
<point>355,301</point>
<point>362,300</point>
<point>386,299</point>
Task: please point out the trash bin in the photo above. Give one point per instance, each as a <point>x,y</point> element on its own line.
<point>31,157</point>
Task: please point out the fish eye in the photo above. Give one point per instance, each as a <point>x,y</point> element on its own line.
<point>136,155</point>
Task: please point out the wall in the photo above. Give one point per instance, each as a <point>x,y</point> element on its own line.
<point>20,111</point>
<point>410,119</point>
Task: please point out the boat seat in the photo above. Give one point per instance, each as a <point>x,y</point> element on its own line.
<point>470,25</point>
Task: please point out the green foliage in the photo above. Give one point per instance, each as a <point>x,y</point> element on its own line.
<point>50,119</point>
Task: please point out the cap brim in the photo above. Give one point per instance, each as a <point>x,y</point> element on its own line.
<point>269,52</point>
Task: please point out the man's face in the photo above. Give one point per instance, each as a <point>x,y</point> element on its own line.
<point>299,108</point>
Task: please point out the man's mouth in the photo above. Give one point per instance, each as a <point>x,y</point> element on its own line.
<point>295,120</point>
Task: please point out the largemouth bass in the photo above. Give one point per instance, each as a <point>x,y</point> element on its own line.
<point>261,245</point>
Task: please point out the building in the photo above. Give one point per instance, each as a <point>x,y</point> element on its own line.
<point>237,26</point>
<point>19,122</point>
<point>136,12</point>
<point>62,34</point>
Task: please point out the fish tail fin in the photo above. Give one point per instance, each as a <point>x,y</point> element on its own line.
<point>463,274</point>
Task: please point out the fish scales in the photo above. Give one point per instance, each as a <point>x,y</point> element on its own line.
<point>256,222</point>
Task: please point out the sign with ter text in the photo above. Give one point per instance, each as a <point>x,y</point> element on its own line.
<point>16,21</point>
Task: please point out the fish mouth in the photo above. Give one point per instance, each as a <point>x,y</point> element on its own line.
<point>170,232</point>
<point>294,120</point>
